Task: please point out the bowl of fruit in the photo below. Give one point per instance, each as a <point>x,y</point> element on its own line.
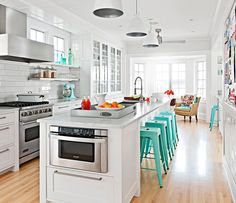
<point>114,106</point>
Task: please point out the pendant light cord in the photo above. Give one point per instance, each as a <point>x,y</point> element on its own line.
<point>136,7</point>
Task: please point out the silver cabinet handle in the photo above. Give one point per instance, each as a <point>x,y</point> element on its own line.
<point>78,176</point>
<point>62,107</point>
<point>78,139</point>
<point>5,150</point>
<point>6,128</point>
<point>4,117</point>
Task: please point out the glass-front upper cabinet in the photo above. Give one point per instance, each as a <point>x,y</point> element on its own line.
<point>106,68</point>
<point>96,66</point>
<point>113,69</point>
<point>118,70</point>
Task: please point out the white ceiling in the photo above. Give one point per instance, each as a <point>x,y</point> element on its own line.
<point>179,19</point>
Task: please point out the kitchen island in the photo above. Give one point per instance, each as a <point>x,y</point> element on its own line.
<point>119,183</point>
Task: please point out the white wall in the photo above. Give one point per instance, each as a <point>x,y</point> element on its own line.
<point>14,80</point>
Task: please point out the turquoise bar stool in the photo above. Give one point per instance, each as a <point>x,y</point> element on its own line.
<point>175,121</point>
<point>214,108</point>
<point>168,120</point>
<point>163,141</point>
<point>152,134</point>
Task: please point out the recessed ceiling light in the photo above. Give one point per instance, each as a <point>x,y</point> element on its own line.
<point>193,31</point>
<point>191,20</point>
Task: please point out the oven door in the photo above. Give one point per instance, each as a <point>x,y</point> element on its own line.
<point>88,154</point>
<point>29,138</point>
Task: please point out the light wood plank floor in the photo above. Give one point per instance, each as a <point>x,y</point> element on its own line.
<point>196,174</point>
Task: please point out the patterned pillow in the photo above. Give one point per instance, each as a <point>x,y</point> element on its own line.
<point>187,100</point>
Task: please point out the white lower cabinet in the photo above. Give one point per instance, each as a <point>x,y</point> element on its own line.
<point>74,187</point>
<point>7,135</point>
<point>7,157</point>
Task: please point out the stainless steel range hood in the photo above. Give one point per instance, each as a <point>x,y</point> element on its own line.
<point>14,45</point>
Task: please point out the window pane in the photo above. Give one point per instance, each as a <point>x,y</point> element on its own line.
<point>61,44</point>
<point>201,79</point>
<point>40,37</point>
<point>32,34</point>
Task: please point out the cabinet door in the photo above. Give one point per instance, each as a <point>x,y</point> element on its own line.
<point>113,69</point>
<point>96,67</point>
<point>118,71</point>
<point>6,135</point>
<point>104,70</point>
<point>68,186</point>
<point>7,157</point>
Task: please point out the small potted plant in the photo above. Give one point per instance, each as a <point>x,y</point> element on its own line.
<point>169,92</point>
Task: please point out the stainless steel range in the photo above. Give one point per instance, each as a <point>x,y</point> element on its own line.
<point>28,127</point>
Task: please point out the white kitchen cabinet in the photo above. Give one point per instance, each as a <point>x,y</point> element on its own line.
<point>100,66</point>
<point>229,129</point>
<point>68,186</point>
<point>7,135</point>
<point>7,157</point>
<point>115,66</point>
<point>9,140</point>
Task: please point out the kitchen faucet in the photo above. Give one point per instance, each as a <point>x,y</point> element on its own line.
<point>141,88</point>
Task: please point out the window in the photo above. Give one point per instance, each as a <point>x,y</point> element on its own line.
<point>178,78</point>
<point>201,79</point>
<point>59,48</point>
<point>162,81</point>
<point>37,35</point>
<point>139,72</point>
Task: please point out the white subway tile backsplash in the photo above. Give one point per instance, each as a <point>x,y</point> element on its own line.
<point>14,80</point>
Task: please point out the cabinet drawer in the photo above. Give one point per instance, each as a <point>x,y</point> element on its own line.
<point>7,118</point>
<point>72,187</point>
<point>6,135</point>
<point>6,157</point>
<point>76,105</point>
<point>61,108</point>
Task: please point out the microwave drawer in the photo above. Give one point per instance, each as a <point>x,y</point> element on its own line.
<point>68,186</point>
<point>7,118</point>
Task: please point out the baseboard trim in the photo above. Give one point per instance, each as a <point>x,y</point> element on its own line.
<point>230,180</point>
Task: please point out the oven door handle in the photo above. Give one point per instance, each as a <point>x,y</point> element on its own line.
<point>77,139</point>
<point>27,123</point>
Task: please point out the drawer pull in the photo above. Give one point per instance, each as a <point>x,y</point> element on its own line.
<point>4,117</point>
<point>78,176</point>
<point>62,107</point>
<point>6,128</point>
<point>5,150</point>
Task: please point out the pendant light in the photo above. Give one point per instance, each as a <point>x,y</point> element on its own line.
<point>136,27</point>
<point>151,40</point>
<point>108,8</point>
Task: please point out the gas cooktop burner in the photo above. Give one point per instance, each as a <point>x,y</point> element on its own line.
<point>22,104</point>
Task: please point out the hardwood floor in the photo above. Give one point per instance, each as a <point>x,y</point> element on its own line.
<point>196,174</point>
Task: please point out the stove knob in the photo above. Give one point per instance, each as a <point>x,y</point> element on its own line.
<point>36,112</point>
<point>45,110</point>
<point>49,110</point>
<point>30,113</point>
<point>24,114</point>
<point>40,111</point>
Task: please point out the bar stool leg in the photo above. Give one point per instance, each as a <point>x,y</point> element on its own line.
<point>157,161</point>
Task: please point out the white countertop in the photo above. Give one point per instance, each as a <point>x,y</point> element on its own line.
<point>67,120</point>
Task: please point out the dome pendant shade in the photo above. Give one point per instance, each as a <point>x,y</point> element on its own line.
<point>136,28</point>
<point>108,8</point>
<point>151,40</point>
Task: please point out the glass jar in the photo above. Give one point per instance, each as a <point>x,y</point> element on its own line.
<point>47,73</point>
<point>53,73</point>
